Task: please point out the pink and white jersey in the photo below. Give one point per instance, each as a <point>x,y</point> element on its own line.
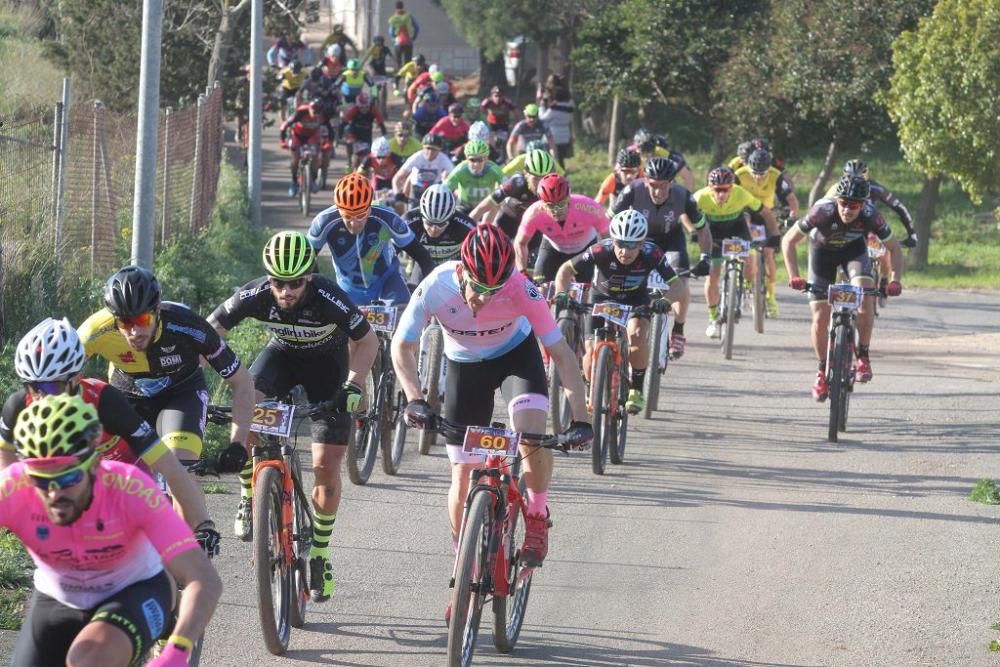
<point>511,315</point>
<point>585,221</point>
<point>129,532</point>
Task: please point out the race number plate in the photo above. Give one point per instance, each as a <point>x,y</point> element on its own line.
<point>381,318</point>
<point>575,292</point>
<point>735,248</point>
<point>845,296</point>
<point>273,418</point>
<point>487,441</point>
<point>875,247</point>
<point>656,281</point>
<point>758,233</point>
<point>614,312</point>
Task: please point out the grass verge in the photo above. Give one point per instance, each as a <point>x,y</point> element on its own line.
<point>987,492</point>
<point>15,580</point>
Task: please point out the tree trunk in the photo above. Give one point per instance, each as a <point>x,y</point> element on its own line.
<point>616,128</point>
<point>228,23</point>
<point>918,259</point>
<point>819,186</point>
<point>491,73</point>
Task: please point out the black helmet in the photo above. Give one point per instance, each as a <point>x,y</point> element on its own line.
<point>662,141</point>
<point>627,159</point>
<point>421,59</point>
<point>432,140</point>
<point>856,168</point>
<point>661,169</point>
<point>721,176</point>
<point>854,188</point>
<point>743,151</point>
<point>132,291</point>
<point>759,161</point>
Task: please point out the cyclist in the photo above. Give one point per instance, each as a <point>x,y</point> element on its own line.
<point>434,81</point>
<point>623,264</point>
<point>488,313</point>
<point>837,228</point>
<point>403,144</point>
<point>408,72</point>
<point>762,180</point>
<point>724,205</point>
<point>321,341</point>
<point>527,130</point>
<point>498,109</point>
<point>478,131</point>
<point>103,538</point>
<point>49,360</point>
<point>287,49</point>
<point>669,210</point>
<point>362,238</point>
<point>626,170</point>
<point>650,145</point>
<point>439,225</point>
<point>380,165</point>
<point>516,193</point>
<point>339,38</point>
<point>516,164</point>
<point>353,81</point>
<point>155,350</point>
<point>421,170</point>
<point>308,126</point>
<point>475,177</point>
<point>452,128</point>
<point>319,86</point>
<point>568,223</point>
<point>292,77</point>
<point>375,58</point>
<point>357,124</point>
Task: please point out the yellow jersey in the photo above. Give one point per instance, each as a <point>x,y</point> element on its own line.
<point>739,200</point>
<point>292,81</point>
<point>766,191</point>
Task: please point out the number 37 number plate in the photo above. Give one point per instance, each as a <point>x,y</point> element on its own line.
<point>487,441</point>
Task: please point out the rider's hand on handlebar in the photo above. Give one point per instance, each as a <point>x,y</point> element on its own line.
<point>420,414</point>
<point>352,393</point>
<point>702,268</point>
<point>233,458</point>
<point>208,538</point>
<point>171,656</point>
<point>797,283</point>
<point>910,241</point>
<point>578,435</point>
<point>894,288</point>
<point>659,306</point>
<point>561,301</point>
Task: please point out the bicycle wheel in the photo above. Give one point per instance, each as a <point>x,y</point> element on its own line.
<point>616,447</point>
<point>839,365</point>
<point>558,401</point>
<point>508,611</point>
<point>272,572</point>
<point>652,381</point>
<point>604,426</point>
<point>759,293</point>
<point>729,330</point>
<point>302,536</point>
<point>394,438</point>
<point>471,577</point>
<point>305,192</point>
<point>363,448</point>
<point>434,358</point>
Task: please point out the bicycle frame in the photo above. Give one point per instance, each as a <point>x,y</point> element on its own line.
<point>601,340</point>
<point>262,460</point>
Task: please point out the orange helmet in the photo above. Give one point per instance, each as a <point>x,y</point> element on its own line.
<point>353,193</point>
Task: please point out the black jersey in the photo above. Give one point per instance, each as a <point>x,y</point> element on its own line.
<point>446,246</point>
<point>616,280</point>
<point>665,218</point>
<point>323,321</point>
<point>827,230</point>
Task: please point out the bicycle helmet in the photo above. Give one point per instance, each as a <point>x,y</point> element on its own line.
<point>743,151</point>
<point>296,66</point>
<point>288,255</point>
<point>353,193</point>
<point>854,188</point>
<point>721,176</point>
<point>478,131</point>
<point>759,161</point>
<point>553,189</point>
<point>50,351</point>
<point>488,255</point>
<point>132,291</point>
<point>662,141</point>
<point>432,140</point>
<point>379,39</point>
<point>627,159</point>
<point>660,169</point>
<point>433,69</point>
<point>456,108</point>
<point>335,51</point>
<point>628,226</point>
<point>437,204</point>
<point>353,64</point>
<point>539,163</point>
<point>421,59</point>
<point>477,148</point>
<point>58,425</point>
<point>436,75</point>
<point>531,111</point>
<point>856,168</point>
<point>380,147</point>
<point>404,126</point>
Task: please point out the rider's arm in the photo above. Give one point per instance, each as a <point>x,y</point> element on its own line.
<point>484,210</point>
<point>691,214</point>
<point>399,180</point>
<point>512,142</point>
<point>202,589</point>
<point>893,202</point>
<point>11,409</point>
<point>687,177</point>
<point>244,397</point>
<point>525,232</point>
<point>362,356</point>
<point>878,226</point>
<point>569,374</point>
<point>420,255</point>
<point>623,200</point>
<point>788,243</point>
<point>406,341</point>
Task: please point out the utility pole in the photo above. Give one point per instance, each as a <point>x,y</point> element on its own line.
<point>144,199</point>
<point>256,107</point>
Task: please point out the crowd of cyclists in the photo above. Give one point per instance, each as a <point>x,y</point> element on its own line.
<point>486,219</point>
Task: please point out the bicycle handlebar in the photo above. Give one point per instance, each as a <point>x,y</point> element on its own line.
<point>456,431</point>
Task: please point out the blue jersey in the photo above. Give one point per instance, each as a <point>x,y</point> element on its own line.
<point>363,260</point>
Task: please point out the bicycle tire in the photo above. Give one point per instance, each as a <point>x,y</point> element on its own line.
<point>471,577</point>
<point>398,444</point>
<point>363,448</point>
<point>302,536</point>
<point>558,401</point>
<point>652,381</point>
<point>837,380</point>
<point>305,194</point>
<point>849,371</point>
<point>601,403</point>
<point>269,561</point>
<point>759,293</point>
<point>435,358</point>
<point>392,445</point>
<point>729,330</point>
<point>508,611</point>
<point>616,449</point>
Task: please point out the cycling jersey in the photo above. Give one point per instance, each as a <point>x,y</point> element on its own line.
<point>585,221</point>
<point>470,188</point>
<point>528,133</point>
<point>362,122</point>
<point>827,230</point>
<point>615,281</point>
<point>739,200</point>
<point>125,436</point>
<point>452,133</point>
<point>660,151</point>
<point>497,113</point>
<point>609,190</point>
<point>516,166</point>
<point>304,123</point>
<point>292,81</point>
<point>423,172</point>
<point>514,196</point>
<point>171,362</point>
<point>350,83</point>
<point>376,56</point>
<point>449,243</point>
<point>323,320</point>
<point>767,190</point>
<point>127,534</point>
<point>381,169</point>
<point>404,150</point>
<point>425,117</point>
<point>510,316</point>
<point>879,193</point>
<point>665,218</point>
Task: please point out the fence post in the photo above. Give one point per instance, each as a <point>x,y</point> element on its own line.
<point>60,184</point>
<point>93,189</point>
<point>165,208</point>
<point>197,162</point>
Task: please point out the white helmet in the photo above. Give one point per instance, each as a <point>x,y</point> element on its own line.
<point>433,68</point>
<point>629,225</point>
<point>479,131</point>
<point>334,51</point>
<point>50,351</point>
<point>437,204</point>
<point>380,147</point>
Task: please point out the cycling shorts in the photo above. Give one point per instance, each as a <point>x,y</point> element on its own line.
<point>824,262</point>
<point>143,611</point>
<point>470,388</point>
<point>179,417</point>
<point>389,287</point>
<point>276,371</point>
<point>549,260</point>
<point>674,246</point>
<point>300,140</point>
<point>638,301</point>
<point>734,229</point>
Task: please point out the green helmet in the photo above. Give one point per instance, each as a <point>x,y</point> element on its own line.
<point>531,110</point>
<point>539,163</point>
<point>288,255</point>
<point>353,64</point>
<point>59,425</point>
<point>476,148</point>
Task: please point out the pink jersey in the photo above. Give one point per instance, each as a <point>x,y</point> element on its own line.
<point>129,532</point>
<point>585,222</point>
<point>511,315</point>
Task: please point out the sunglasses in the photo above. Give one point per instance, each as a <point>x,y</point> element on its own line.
<point>659,184</point>
<point>850,205</point>
<point>628,245</point>
<point>51,388</point>
<point>63,479</point>
<point>477,160</point>
<point>531,117</point>
<point>557,206</point>
<point>482,289</point>
<point>631,173</point>
<point>722,188</point>
<point>758,174</point>
<point>140,320</point>
<point>403,135</point>
<point>290,284</point>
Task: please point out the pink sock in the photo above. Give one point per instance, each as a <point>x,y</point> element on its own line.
<point>537,502</point>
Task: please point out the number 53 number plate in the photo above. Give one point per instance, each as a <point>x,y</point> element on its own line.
<point>273,418</point>
<point>381,318</point>
<point>487,441</point>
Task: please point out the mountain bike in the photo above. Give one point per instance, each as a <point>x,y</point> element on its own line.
<point>571,326</point>
<point>659,338</point>
<point>735,251</point>
<point>488,563</point>
<point>431,369</point>
<point>876,250</point>
<point>307,154</point>
<point>609,385</point>
<point>758,237</point>
<point>282,521</point>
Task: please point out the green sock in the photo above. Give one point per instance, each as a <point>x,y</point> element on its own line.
<point>713,313</point>
<point>322,527</point>
<point>246,475</point>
